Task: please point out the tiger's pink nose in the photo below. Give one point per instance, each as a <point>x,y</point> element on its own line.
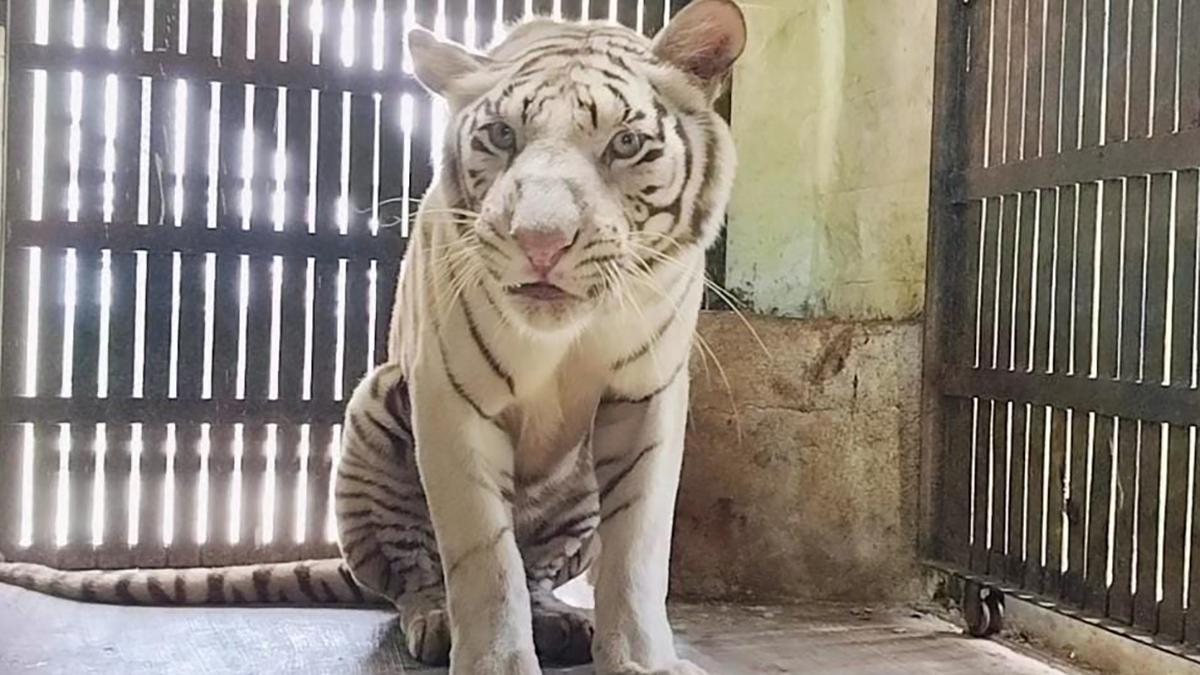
<point>543,248</point>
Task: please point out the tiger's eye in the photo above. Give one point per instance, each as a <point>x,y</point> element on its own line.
<point>501,136</point>
<point>625,144</point>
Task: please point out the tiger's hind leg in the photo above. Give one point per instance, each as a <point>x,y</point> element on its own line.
<point>557,551</point>
<point>384,528</point>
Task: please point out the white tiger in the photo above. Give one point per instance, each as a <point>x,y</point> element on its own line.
<point>549,304</point>
<point>530,422</point>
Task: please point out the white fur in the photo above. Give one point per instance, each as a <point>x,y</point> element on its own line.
<point>561,365</point>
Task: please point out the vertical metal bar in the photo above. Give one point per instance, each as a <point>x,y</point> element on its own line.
<point>1175,534</point>
<point>115,551</point>
<point>1158,233</point>
<point>158,310</point>
<point>1093,73</point>
<point>1071,76</point>
<point>1052,85</point>
<point>152,466</point>
<point>1076,507</point>
<point>984,420</point>
<point>1145,600</point>
<point>627,14</point>
<point>1055,502</point>
<point>262,188</point>
<point>988,282</point>
<point>185,550</point>
<point>91,173</point>
<point>1120,599</point>
<point>1140,41</point>
<point>319,464</point>
<point>86,348</point>
<point>329,161</point>
<point>1014,524</point>
<point>1064,236</point>
<point>456,16</point>
<point>514,10</point>
<point>267,32</point>
<point>81,471</point>
<point>1109,323</point>
<point>1133,282</point>
<point>43,547</point>
<point>293,307</point>
<point>12,450</point>
<point>1034,530</point>
<point>1099,493</point>
<point>200,30</point>
<point>1005,283</point>
<point>226,326</point>
<point>298,143</point>
<point>220,491</point>
<point>1117,73</point>
<point>1047,220</point>
<point>1183,299</point>
<point>287,473</point>
<point>386,281</point>
<point>357,298</point>
<point>253,473</point>
<point>1189,66</point>
<point>1015,81</point>
<point>1166,69</point>
<point>655,16</point>
<point>258,328</point>
<point>972,101</point>
<point>1034,59</point>
<point>1026,254</point>
<point>999,81</point>
<point>324,310</point>
<point>572,10</point>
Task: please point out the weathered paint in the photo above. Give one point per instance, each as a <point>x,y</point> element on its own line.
<point>831,113</point>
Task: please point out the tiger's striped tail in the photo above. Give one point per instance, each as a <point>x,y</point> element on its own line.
<point>311,582</point>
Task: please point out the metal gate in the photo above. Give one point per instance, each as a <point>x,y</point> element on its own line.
<point>1061,344</point>
<point>206,202</point>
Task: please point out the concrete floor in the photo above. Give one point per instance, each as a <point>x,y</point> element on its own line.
<point>48,635</point>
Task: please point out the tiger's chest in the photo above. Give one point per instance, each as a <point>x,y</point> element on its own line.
<point>551,420</point>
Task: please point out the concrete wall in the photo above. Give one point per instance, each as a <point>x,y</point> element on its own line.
<point>800,478</point>
<point>816,497</point>
<point>831,110</point>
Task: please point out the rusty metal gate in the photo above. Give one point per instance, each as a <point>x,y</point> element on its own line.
<point>1061,345</point>
<point>197,218</point>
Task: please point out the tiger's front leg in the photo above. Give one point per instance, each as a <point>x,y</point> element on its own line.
<point>466,467</point>
<point>639,451</point>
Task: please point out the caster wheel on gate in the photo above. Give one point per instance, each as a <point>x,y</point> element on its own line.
<point>994,602</point>
<point>979,624</point>
<point>983,609</point>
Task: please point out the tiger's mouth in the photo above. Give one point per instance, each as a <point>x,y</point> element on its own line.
<point>540,291</point>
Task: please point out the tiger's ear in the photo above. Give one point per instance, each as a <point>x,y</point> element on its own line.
<point>703,41</point>
<point>443,67</point>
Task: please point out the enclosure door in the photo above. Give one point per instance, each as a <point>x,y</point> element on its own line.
<point>1061,358</point>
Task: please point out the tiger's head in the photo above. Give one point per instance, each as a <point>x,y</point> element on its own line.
<point>583,161</point>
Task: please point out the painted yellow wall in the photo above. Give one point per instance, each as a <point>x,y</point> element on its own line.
<point>832,113</point>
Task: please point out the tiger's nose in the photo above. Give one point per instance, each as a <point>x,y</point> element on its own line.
<point>543,248</point>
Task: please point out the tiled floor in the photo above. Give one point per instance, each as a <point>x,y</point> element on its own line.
<point>48,635</point>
